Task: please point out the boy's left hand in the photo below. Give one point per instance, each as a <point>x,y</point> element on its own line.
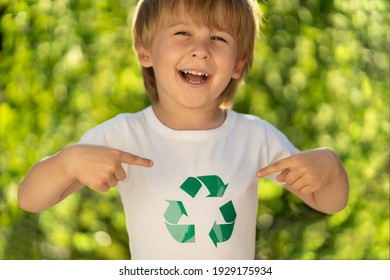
<point>306,172</point>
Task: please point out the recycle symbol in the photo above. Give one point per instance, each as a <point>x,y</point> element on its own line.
<point>186,233</point>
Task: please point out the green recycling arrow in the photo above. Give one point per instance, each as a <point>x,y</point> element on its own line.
<point>174,211</point>
<point>213,183</point>
<point>186,233</point>
<point>191,186</point>
<point>223,232</point>
<point>181,233</point>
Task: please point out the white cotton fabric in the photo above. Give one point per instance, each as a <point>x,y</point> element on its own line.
<point>234,152</point>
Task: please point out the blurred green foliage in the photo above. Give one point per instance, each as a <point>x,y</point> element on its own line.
<point>321,75</point>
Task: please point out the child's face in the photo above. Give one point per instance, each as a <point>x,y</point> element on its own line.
<point>192,63</point>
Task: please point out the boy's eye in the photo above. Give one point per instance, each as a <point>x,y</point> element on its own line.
<point>184,33</point>
<point>217,38</point>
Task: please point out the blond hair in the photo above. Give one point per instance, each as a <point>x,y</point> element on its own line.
<point>238,17</point>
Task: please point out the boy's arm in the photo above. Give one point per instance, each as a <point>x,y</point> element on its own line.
<point>316,176</point>
<point>45,184</point>
<point>54,178</point>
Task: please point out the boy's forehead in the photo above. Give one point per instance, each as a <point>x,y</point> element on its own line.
<point>186,14</point>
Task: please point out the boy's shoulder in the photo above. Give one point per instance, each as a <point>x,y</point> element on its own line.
<point>248,118</point>
<point>121,121</point>
<point>252,121</point>
<point>108,131</point>
<point>255,126</point>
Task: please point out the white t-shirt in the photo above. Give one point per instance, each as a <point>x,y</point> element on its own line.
<point>199,200</point>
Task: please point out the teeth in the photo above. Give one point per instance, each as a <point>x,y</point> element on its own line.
<point>195,73</point>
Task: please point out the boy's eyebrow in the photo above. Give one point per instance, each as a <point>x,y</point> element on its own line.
<point>177,23</point>
<point>188,24</point>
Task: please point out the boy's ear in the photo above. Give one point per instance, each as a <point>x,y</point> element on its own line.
<point>143,56</point>
<point>237,71</point>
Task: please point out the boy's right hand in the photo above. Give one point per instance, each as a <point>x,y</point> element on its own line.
<point>99,167</point>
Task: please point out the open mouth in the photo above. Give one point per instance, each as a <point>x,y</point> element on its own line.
<point>194,77</point>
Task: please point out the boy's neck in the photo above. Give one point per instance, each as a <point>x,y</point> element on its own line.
<point>190,119</point>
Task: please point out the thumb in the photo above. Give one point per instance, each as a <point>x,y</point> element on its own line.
<point>282,176</point>
<point>131,159</point>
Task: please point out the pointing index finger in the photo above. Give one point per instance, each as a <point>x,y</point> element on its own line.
<point>135,160</point>
<point>277,166</point>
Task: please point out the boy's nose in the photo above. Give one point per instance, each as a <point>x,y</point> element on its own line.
<point>203,55</point>
<point>200,50</point>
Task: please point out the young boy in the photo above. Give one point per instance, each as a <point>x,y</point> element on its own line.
<point>187,167</point>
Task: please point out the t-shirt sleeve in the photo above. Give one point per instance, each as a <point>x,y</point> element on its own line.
<point>105,134</point>
<point>278,147</point>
